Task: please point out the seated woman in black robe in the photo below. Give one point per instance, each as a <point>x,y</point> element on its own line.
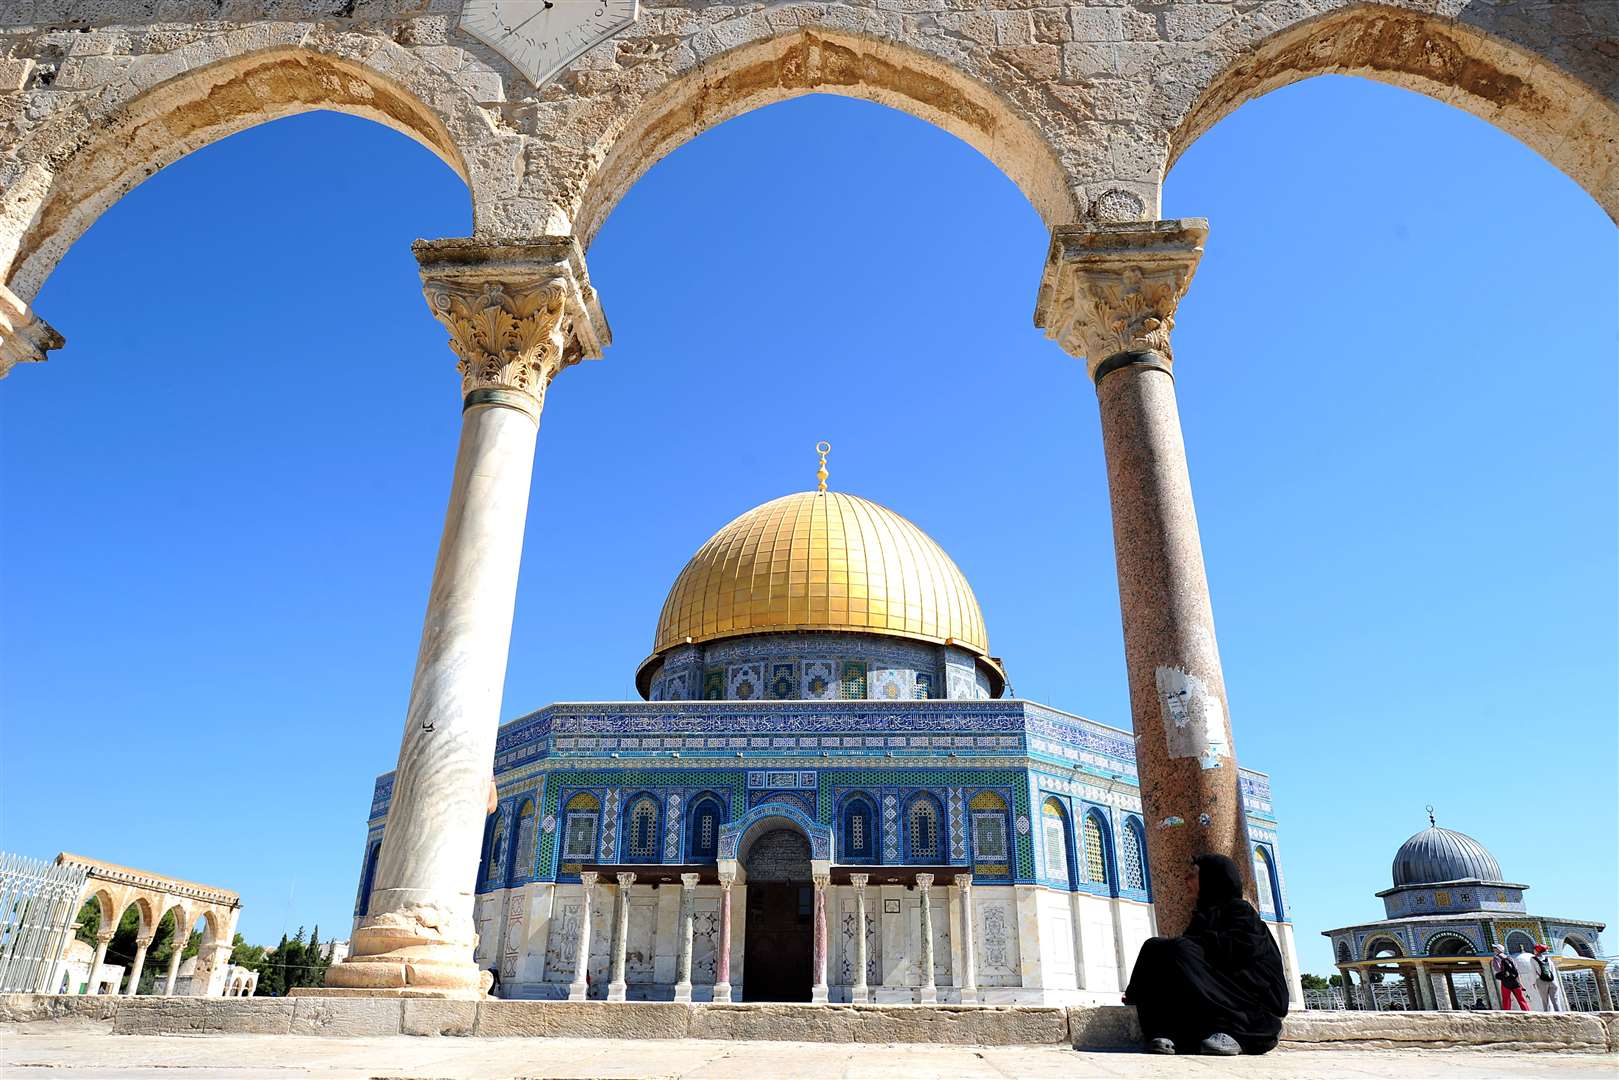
<point>1219,988</point>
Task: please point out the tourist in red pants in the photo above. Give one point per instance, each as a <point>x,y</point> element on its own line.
<point>1506,973</point>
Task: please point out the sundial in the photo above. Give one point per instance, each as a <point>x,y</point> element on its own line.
<point>541,37</point>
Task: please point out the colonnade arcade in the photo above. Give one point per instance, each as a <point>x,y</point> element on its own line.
<point>1084,105</point>
<point>116,889</point>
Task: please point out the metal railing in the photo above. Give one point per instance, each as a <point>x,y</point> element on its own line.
<point>1579,995</point>
<point>38,902</point>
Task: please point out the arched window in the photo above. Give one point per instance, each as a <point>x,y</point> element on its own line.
<point>641,830</point>
<point>1133,855</point>
<point>1054,828</point>
<point>497,852</point>
<point>1096,860</point>
<point>923,821</point>
<point>1265,883</point>
<point>1343,952</point>
<point>1518,942</point>
<point>703,843</point>
<point>859,834</point>
<point>522,863</point>
<point>988,812</point>
<point>579,828</point>
<point>369,877</point>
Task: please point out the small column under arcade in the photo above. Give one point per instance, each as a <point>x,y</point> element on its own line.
<point>818,990</point>
<point>929,994</point>
<point>517,314</point>
<point>969,962</point>
<point>141,945</point>
<point>174,972</point>
<point>1109,295</point>
<point>722,961</point>
<point>579,989</point>
<point>617,988</point>
<point>688,894</point>
<point>859,992</point>
<point>103,939</point>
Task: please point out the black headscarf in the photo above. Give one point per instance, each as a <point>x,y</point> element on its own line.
<point>1218,881</point>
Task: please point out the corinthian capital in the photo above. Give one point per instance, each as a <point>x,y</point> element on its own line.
<point>517,313</point>
<point>24,336</point>
<point>1112,288</point>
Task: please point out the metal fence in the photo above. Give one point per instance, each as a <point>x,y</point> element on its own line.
<point>1579,994</point>
<point>38,902</point>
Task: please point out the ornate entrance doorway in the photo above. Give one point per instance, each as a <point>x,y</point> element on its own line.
<point>780,926</point>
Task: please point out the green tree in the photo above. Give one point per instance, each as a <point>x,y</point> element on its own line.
<point>1313,982</point>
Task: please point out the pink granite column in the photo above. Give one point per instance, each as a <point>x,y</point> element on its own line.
<point>722,962</point>
<point>818,991</point>
<point>1109,294</point>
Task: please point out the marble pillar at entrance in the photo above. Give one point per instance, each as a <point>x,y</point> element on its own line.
<point>722,958</point>
<point>929,994</point>
<point>860,992</point>
<point>1109,294</point>
<point>579,989</point>
<point>818,956</point>
<point>621,936</point>
<point>141,945</point>
<point>688,897</point>
<point>969,962</point>
<point>517,314</point>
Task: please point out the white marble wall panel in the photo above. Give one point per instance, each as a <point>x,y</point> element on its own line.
<point>995,910</point>
<point>1098,949</point>
<point>1057,941</point>
<point>640,943</point>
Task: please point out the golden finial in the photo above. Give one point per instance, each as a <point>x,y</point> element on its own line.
<point>823,448</point>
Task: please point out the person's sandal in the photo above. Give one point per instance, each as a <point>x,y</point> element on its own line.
<point>1220,1045</point>
<point>1158,1046</point>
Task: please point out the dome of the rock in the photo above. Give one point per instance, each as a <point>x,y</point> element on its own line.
<point>821,561</point>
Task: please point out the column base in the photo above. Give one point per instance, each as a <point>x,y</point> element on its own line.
<point>578,991</point>
<point>722,993</point>
<point>616,991</point>
<point>397,952</point>
<point>859,995</point>
<point>683,993</point>
<point>969,995</point>
<point>929,995</point>
<point>818,995</point>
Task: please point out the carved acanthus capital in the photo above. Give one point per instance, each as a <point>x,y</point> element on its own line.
<point>25,338</point>
<point>964,881</point>
<point>688,882</point>
<point>517,313</point>
<point>626,879</point>
<point>587,878</point>
<point>859,881</point>
<point>820,880</point>
<point>924,882</point>
<point>1112,288</point>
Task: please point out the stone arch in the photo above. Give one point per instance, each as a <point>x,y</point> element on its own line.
<point>1572,124</point>
<point>800,60</point>
<point>70,170</point>
<point>736,836</point>
<point>1379,942</point>
<point>147,913</point>
<point>1580,945</point>
<point>1450,943</point>
<point>109,908</point>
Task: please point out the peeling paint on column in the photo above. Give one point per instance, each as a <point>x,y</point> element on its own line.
<point>1194,721</point>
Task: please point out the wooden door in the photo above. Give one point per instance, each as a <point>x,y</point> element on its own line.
<point>778,950</point>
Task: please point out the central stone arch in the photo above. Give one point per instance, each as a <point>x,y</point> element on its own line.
<point>737,836</point>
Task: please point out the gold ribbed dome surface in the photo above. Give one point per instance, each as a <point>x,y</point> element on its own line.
<point>821,561</point>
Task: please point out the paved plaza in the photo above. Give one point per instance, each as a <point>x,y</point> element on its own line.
<point>262,1057</point>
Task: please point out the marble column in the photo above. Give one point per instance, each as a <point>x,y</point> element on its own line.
<point>688,896</point>
<point>1604,988</point>
<point>579,989</point>
<point>969,960</point>
<point>103,939</point>
<point>1492,991</point>
<point>24,337</point>
<point>722,958</point>
<point>517,314</point>
<point>1109,294</point>
<point>860,992</point>
<point>1368,990</point>
<point>818,990</point>
<point>621,937</point>
<point>141,945</point>
<point>930,992</point>
<point>180,939</point>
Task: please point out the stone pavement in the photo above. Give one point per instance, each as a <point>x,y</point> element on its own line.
<point>282,1057</point>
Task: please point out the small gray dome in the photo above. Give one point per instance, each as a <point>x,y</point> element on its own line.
<point>1435,855</point>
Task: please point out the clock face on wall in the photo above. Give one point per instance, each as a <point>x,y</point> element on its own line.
<point>540,37</point>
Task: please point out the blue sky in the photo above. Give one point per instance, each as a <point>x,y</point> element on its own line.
<point>1396,371</point>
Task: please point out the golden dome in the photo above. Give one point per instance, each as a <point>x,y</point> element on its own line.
<point>821,561</point>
